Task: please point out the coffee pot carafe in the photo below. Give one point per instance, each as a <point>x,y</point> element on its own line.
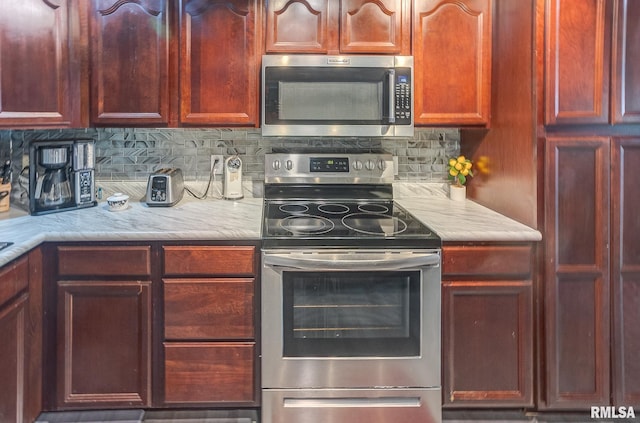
<point>56,188</point>
<point>53,187</point>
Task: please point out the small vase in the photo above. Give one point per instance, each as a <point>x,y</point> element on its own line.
<point>457,193</point>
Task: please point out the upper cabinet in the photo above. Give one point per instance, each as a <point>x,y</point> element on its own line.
<point>165,63</point>
<point>345,26</point>
<point>129,61</point>
<point>577,44</point>
<point>452,62</point>
<point>592,62</point>
<point>39,74</point>
<point>219,62</point>
<point>626,63</point>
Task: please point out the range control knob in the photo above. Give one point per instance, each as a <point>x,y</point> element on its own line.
<point>288,165</point>
<point>276,165</point>
<point>357,165</point>
<point>370,164</point>
<point>382,165</point>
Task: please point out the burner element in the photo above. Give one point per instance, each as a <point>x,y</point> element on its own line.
<point>373,208</point>
<point>303,224</point>
<point>374,224</point>
<point>294,208</point>
<point>333,208</point>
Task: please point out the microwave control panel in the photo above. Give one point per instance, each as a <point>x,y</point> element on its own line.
<point>403,96</point>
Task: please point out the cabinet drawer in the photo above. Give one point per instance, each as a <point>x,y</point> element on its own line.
<point>209,372</point>
<point>104,260</point>
<point>208,308</point>
<point>14,277</point>
<point>487,260</point>
<point>209,260</point>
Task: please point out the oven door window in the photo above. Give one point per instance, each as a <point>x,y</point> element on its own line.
<point>351,314</point>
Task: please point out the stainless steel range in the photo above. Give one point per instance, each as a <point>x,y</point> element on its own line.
<point>350,295</point>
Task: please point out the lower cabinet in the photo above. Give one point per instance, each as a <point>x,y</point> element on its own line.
<point>149,326</point>
<point>209,346</point>
<point>21,339</point>
<point>103,333</point>
<point>487,325</point>
<point>12,365</point>
<point>592,273</point>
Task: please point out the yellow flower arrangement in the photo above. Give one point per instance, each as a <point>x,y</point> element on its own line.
<point>460,169</point>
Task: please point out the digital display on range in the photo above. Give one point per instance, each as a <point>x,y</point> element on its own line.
<point>329,164</point>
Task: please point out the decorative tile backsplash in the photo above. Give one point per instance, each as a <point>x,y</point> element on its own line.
<point>133,153</point>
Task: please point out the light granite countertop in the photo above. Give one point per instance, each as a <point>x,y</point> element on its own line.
<point>218,219</point>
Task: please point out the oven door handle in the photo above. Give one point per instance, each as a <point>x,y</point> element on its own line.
<point>351,261</point>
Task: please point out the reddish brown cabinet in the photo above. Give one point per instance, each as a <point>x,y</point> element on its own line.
<point>625,271</point>
<point>577,47</point>
<point>220,50</point>
<point>592,62</point>
<point>625,100</point>
<point>487,325</point>
<point>129,61</point>
<point>577,272</point>
<point>40,72</point>
<point>452,62</point>
<point>103,326</point>
<point>21,334</point>
<point>209,346</point>
<point>345,26</point>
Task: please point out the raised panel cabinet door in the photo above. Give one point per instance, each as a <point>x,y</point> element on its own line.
<point>625,276</point>
<point>13,327</point>
<point>209,372</point>
<point>209,309</point>
<point>626,63</point>
<point>219,62</point>
<point>129,62</point>
<point>302,26</point>
<point>452,62</point>
<point>576,291</point>
<point>104,344</point>
<point>35,65</point>
<point>375,26</point>
<point>487,343</point>
<point>577,61</point>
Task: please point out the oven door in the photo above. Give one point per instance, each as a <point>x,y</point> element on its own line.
<point>351,319</point>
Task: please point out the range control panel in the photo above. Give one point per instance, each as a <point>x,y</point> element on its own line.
<point>329,168</point>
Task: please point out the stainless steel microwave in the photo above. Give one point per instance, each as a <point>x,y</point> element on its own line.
<point>351,96</point>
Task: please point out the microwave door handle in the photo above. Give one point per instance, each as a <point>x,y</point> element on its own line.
<point>358,261</point>
<point>391,75</point>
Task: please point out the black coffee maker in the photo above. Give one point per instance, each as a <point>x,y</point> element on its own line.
<point>61,175</point>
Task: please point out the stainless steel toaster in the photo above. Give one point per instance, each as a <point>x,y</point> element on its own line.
<point>165,187</point>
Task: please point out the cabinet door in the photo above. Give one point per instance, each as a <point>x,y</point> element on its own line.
<point>577,49</point>
<point>374,26</point>
<point>208,309</point>
<point>13,325</point>
<point>626,63</point>
<point>37,85</point>
<point>302,26</point>
<point>487,343</point>
<point>625,282</point>
<point>487,325</point>
<point>104,344</point>
<point>208,372</point>
<point>452,62</point>
<point>577,272</point>
<point>219,62</point>
<point>129,62</point>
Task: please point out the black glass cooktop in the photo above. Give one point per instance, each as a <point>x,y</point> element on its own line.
<point>365,224</point>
